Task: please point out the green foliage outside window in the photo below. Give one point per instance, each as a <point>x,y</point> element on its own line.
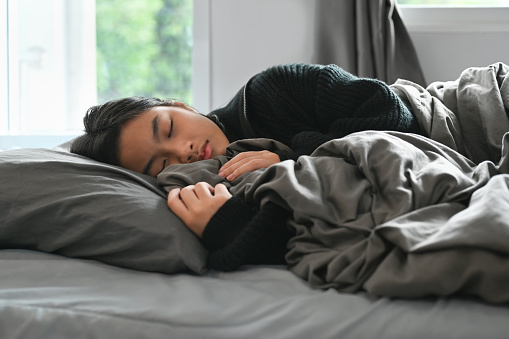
<point>144,47</point>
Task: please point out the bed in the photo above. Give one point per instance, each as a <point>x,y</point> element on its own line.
<point>90,250</point>
<point>51,296</point>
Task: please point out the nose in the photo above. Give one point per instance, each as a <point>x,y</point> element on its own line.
<point>180,152</point>
<point>189,153</point>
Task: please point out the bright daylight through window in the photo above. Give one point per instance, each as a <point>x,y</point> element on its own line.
<point>64,56</point>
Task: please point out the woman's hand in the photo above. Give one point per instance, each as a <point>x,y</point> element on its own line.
<point>247,162</point>
<point>196,204</point>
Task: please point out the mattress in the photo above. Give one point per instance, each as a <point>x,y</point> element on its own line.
<point>50,296</point>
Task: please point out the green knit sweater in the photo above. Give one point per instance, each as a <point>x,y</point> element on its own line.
<point>305,105</point>
<point>301,106</point>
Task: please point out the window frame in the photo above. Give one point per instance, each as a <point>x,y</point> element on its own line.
<point>4,62</point>
<point>428,18</point>
<point>202,56</point>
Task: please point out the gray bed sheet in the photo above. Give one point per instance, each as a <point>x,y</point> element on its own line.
<point>50,296</point>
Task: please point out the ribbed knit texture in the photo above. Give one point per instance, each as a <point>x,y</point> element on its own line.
<point>233,242</point>
<point>227,223</point>
<point>286,100</point>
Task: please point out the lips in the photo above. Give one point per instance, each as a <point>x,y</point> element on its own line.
<point>205,151</point>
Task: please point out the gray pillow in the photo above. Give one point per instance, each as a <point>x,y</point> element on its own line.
<point>57,202</point>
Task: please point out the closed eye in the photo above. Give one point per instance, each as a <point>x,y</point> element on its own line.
<point>169,136</point>
<point>171,128</point>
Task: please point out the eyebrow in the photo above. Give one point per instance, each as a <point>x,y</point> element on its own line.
<point>155,128</point>
<point>155,135</point>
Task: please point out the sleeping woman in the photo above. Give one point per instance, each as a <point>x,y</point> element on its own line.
<point>391,213</point>
<point>299,105</point>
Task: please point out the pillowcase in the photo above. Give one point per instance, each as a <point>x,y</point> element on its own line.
<point>58,202</point>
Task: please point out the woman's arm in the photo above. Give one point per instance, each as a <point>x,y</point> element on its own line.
<point>304,105</point>
<point>235,234</point>
<point>256,238</point>
<point>310,104</point>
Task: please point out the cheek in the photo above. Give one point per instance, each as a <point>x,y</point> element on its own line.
<point>130,158</point>
<point>221,145</point>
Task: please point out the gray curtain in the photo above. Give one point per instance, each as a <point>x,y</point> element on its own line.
<point>366,38</point>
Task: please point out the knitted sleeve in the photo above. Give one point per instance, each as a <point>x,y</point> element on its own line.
<point>347,104</point>
<point>305,105</point>
<point>238,235</point>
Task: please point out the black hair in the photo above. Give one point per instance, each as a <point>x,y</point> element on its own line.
<point>103,124</point>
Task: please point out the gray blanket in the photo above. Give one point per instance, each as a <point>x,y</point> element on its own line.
<point>468,114</point>
<point>397,214</point>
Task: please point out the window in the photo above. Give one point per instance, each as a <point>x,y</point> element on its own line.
<point>455,2</point>
<point>64,56</point>
<point>144,49</point>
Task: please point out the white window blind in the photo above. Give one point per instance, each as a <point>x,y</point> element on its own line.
<point>50,66</point>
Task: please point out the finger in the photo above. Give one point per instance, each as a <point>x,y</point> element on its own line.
<point>176,204</point>
<point>244,168</point>
<point>250,166</point>
<point>229,167</point>
<point>221,190</point>
<point>235,162</point>
<point>173,194</point>
<point>203,189</point>
<point>232,168</point>
<point>188,195</point>
<point>241,156</point>
<point>237,167</point>
<point>248,162</point>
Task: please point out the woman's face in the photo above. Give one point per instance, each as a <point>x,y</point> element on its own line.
<point>166,135</point>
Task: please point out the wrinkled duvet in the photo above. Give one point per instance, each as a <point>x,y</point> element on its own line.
<point>397,214</point>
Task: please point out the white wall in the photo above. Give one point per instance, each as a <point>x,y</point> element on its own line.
<point>448,40</point>
<point>246,36</point>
